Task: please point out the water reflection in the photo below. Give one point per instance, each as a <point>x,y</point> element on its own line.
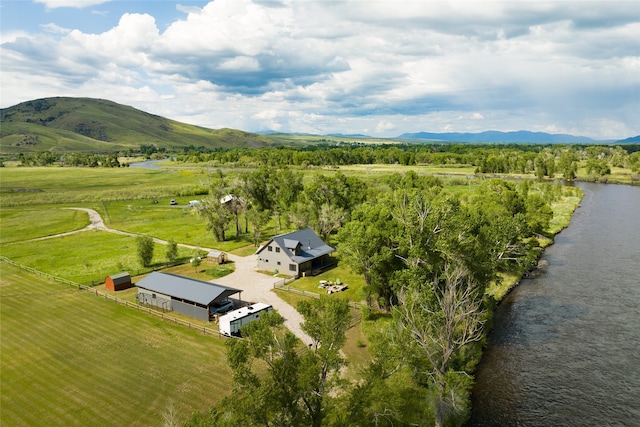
<point>565,345</point>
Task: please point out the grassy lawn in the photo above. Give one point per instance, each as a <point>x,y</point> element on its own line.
<point>354,281</point>
<point>69,358</point>
<point>86,256</point>
<point>20,224</point>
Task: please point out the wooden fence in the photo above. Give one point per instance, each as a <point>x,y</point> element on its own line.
<point>81,287</point>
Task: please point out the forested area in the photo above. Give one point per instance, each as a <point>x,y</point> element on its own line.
<point>427,255</point>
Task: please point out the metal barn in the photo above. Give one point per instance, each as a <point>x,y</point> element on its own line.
<point>182,294</point>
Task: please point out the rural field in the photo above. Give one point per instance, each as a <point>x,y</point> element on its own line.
<point>70,358</point>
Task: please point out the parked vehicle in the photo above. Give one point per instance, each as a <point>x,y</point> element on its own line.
<point>231,322</point>
<point>219,307</point>
<point>173,202</point>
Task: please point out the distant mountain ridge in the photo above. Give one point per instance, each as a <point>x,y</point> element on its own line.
<point>522,136</point>
<point>88,124</point>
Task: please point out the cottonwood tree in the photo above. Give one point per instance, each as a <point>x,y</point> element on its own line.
<point>326,321</point>
<point>441,318</point>
<point>172,251</point>
<point>368,247</point>
<point>330,219</point>
<point>258,219</point>
<point>278,382</point>
<point>266,370</point>
<point>217,216</point>
<point>145,250</point>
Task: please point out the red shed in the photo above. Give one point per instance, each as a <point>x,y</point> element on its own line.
<point>118,282</point>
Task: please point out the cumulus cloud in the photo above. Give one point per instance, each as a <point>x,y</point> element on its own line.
<point>351,66</point>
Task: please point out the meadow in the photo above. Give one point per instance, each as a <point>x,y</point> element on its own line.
<point>70,358</point>
<point>86,257</point>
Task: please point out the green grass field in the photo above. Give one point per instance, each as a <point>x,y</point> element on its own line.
<point>19,224</point>
<point>70,358</point>
<point>180,223</point>
<point>87,256</point>
<point>30,186</point>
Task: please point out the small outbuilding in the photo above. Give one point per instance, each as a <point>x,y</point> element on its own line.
<point>118,282</point>
<point>217,256</point>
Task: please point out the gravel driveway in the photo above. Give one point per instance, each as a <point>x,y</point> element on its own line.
<point>257,287</point>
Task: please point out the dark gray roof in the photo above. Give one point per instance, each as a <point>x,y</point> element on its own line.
<point>119,278</point>
<point>185,288</point>
<point>311,246</point>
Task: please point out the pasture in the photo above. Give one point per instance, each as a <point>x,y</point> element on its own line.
<point>87,256</point>
<point>19,224</point>
<point>70,358</point>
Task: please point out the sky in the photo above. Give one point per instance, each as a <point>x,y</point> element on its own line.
<point>379,68</point>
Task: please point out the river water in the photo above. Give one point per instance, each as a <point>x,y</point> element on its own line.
<point>565,346</point>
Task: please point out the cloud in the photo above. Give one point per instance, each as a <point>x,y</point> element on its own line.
<point>55,29</point>
<point>78,4</point>
<point>347,66</point>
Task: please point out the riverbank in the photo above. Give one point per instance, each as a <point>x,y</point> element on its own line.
<point>548,358</point>
<point>563,210</point>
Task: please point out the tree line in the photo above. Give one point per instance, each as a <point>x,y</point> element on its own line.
<point>543,160</point>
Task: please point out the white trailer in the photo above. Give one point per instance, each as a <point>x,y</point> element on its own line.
<point>231,322</point>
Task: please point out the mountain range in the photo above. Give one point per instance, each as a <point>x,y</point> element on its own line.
<point>521,136</point>
<point>87,124</point>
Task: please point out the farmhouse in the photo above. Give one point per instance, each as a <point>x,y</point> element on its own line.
<point>188,296</point>
<point>298,253</point>
<point>118,282</point>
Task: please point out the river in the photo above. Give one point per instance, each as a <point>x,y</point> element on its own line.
<point>565,346</point>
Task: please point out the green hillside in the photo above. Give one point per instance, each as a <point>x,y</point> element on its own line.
<point>86,124</point>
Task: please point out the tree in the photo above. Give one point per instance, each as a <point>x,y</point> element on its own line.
<point>329,219</point>
<point>195,262</point>
<point>367,245</point>
<point>274,383</point>
<point>567,164</point>
<point>258,219</point>
<point>326,321</point>
<point>145,250</point>
<point>539,213</point>
<point>172,251</point>
<point>217,216</point>
<point>441,318</point>
<point>270,398</point>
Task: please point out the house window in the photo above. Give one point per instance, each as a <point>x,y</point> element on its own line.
<point>277,249</point>
<point>270,249</point>
<point>153,295</point>
<point>278,262</point>
<point>292,267</point>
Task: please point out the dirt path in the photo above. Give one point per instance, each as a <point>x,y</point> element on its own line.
<point>256,287</point>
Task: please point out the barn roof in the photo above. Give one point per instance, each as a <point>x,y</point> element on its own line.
<point>119,278</point>
<point>185,288</point>
<point>310,245</point>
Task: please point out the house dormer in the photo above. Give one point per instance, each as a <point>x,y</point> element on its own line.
<point>293,246</point>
